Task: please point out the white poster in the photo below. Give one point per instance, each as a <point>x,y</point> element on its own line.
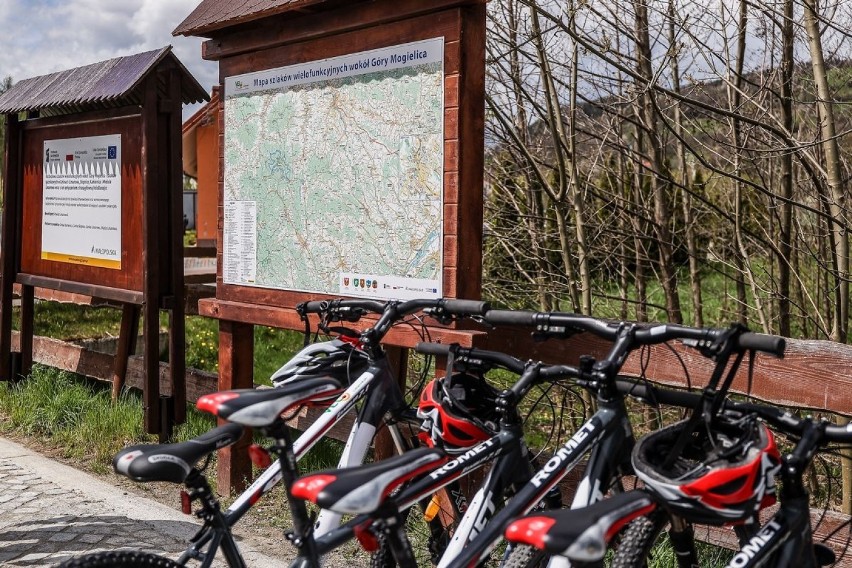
<point>81,201</point>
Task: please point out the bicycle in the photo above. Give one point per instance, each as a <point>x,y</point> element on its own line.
<point>375,387</point>
<point>606,435</point>
<point>713,468</point>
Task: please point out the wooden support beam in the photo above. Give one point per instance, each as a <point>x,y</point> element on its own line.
<point>10,243</point>
<point>127,334</point>
<point>236,364</point>
<point>177,316</point>
<point>151,214</point>
<point>27,328</point>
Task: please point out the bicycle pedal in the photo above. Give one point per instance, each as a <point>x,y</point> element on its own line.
<point>824,555</point>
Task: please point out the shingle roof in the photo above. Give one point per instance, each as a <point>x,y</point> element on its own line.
<point>108,84</point>
<point>212,15</point>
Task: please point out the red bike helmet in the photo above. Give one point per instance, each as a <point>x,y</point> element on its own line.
<point>458,411</point>
<point>724,477</point>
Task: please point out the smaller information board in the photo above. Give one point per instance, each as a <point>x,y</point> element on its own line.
<point>81,201</point>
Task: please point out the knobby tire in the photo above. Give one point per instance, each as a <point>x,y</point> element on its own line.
<point>120,559</point>
<point>636,541</point>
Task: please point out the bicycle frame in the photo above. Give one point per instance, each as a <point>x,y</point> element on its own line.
<point>606,435</point>
<point>378,388</point>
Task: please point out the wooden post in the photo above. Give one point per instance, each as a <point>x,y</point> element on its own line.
<point>27,328</point>
<point>126,346</point>
<point>9,252</point>
<point>177,323</point>
<point>151,266</point>
<point>236,370</point>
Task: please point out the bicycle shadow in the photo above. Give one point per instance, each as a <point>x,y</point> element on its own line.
<point>47,542</point>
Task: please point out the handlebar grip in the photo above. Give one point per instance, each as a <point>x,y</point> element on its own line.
<point>437,349</point>
<point>771,344</point>
<point>315,307</point>
<point>510,317</point>
<point>465,307</point>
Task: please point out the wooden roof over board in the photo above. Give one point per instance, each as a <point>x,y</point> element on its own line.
<point>108,84</point>
<point>212,15</point>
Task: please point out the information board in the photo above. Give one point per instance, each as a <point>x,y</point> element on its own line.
<point>333,174</point>
<point>81,201</point>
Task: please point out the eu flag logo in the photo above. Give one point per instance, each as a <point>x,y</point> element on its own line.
<point>112,152</point>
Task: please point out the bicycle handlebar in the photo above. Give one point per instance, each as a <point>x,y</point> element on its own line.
<point>320,306</point>
<point>472,355</point>
<point>651,335</point>
<point>777,417</point>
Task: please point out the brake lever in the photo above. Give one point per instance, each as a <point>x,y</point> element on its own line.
<point>543,333</point>
<point>440,315</point>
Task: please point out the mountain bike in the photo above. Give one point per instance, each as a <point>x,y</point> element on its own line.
<point>606,436</point>
<point>375,387</point>
<point>713,468</point>
<point>785,540</point>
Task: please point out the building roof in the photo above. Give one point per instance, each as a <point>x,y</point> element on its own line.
<point>212,15</point>
<point>109,84</point>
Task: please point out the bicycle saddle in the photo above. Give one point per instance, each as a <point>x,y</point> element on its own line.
<point>263,407</point>
<point>363,489</point>
<point>580,534</point>
<point>172,462</point>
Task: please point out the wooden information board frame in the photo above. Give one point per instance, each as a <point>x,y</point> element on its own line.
<point>136,102</point>
<point>299,32</point>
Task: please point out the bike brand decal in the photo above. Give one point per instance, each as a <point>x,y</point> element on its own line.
<point>171,459</point>
<point>484,515</point>
<point>460,500</point>
<point>467,456</point>
<point>563,454</point>
<point>344,402</point>
<point>753,546</point>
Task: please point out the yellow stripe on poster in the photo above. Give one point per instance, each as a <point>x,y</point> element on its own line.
<point>88,261</point>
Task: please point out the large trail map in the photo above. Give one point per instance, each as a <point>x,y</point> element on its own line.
<point>334,174</point>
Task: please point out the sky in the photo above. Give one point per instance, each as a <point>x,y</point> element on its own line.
<point>44,36</point>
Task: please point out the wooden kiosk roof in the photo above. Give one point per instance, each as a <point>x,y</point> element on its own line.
<point>213,15</point>
<point>113,83</point>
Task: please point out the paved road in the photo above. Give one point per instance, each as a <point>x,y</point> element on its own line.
<point>50,512</point>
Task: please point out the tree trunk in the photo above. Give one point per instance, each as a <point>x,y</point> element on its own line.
<point>836,205</point>
<point>659,176</point>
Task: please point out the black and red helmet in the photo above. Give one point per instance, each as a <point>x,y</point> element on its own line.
<point>458,411</point>
<point>724,477</point>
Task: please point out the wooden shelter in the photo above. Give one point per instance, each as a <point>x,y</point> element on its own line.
<point>93,205</point>
<point>270,40</point>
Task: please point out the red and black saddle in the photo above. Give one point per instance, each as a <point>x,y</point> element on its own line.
<point>580,534</point>
<point>363,489</point>
<point>258,408</point>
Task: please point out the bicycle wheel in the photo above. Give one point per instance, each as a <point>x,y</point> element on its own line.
<point>120,559</point>
<point>525,556</point>
<point>636,541</point>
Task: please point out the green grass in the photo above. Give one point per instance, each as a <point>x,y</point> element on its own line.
<point>272,347</point>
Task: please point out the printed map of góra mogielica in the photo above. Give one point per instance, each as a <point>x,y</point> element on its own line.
<point>334,174</point>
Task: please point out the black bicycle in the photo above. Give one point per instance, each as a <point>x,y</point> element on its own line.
<point>372,384</point>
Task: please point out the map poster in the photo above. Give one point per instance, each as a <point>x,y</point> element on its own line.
<point>341,161</point>
<point>81,201</point>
